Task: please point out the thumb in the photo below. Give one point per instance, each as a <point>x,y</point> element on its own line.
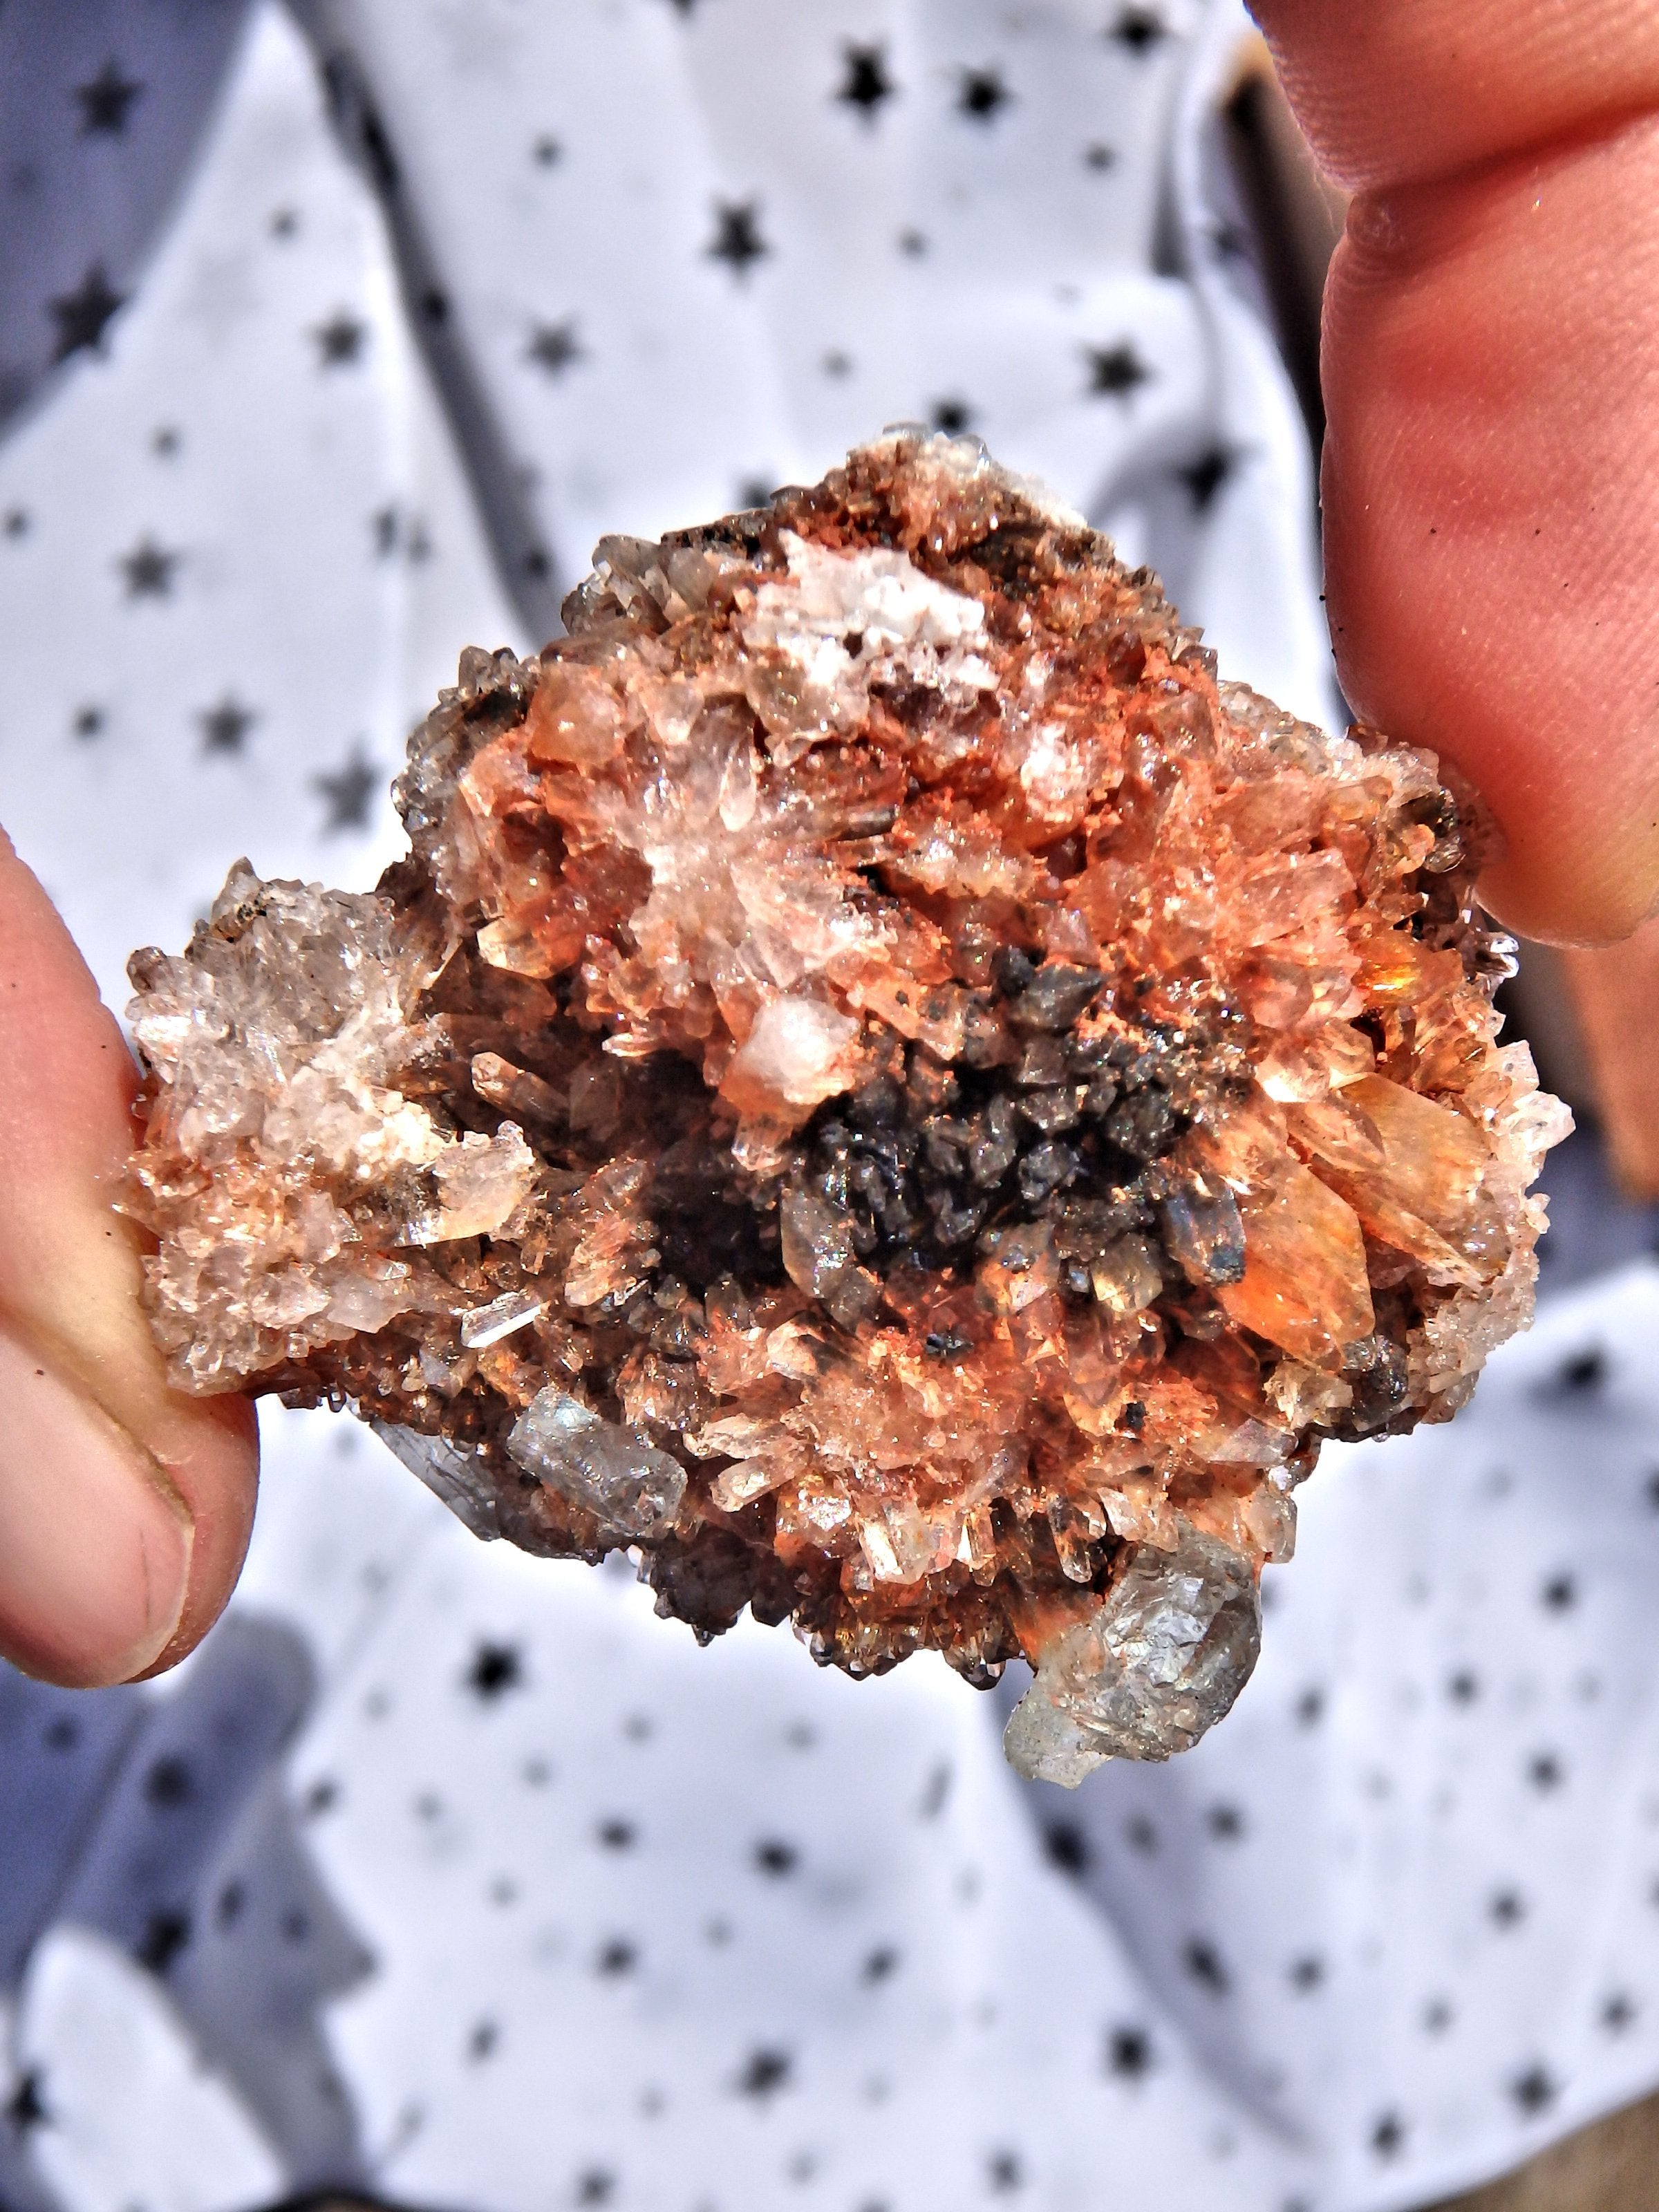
<point>124,1507</point>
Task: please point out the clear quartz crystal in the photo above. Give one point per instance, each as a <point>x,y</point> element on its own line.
<point>631,1489</point>
<point>1160,1662</point>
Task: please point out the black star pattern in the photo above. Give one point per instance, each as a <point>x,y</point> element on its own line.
<point>836,363</point>
<point>228,1906</point>
<point>1464,1688</point>
<point>322,1796</point>
<point>1225,1823</point>
<point>15,524</point>
<point>82,316</point>
<point>340,340</point>
<point>348,793</point>
<point>982,95</point>
<point>483,2040</point>
<point>1206,1966</point>
<point>1388,2135</point>
<point>737,241</point>
<point>1560,1594</point>
<point>913,243</point>
<point>88,721</point>
<point>935,1793</point>
<point>26,2106</point>
<point>597,2186</point>
<point>553,347</point>
<point>284,223</point>
<point>165,442</point>
<point>1307,1973</point>
<point>169,1782</point>
<point>616,1958</point>
<point>1544,1771</point>
<point>1310,1708</point>
<point>1653,1479</point>
<point>1436,2016</point>
<point>1618,2012</point>
<point>951,416</point>
<point>1139,30</point>
<point>617,1835</point>
<point>1204,477</point>
<point>1099,156</point>
<point>1004,2172</point>
<point>1533,2091</point>
<point>106,101</point>
<point>225,727</point>
<point>765,2072</point>
<point>1140,1835</point>
<point>866,84</point>
<point>1228,242</point>
<point>1067,1846</point>
<point>775,1858</point>
<point>881,1963</point>
<point>149,570</point>
<point>296,1924</point>
<point>63,1734</point>
<point>166,1935</point>
<point>546,152</point>
<point>1584,1374</point>
<point>1128,2053</point>
<point>1507,1908</point>
<point>495,1668</point>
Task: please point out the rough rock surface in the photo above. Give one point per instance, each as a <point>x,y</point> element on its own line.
<point>881,1084</point>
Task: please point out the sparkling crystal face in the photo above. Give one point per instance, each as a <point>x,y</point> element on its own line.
<point>881,1084</point>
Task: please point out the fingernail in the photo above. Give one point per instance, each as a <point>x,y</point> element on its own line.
<point>95,1561</point>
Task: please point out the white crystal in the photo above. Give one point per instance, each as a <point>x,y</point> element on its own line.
<point>1143,1678</point>
<point>633,1489</point>
<point>487,1325</point>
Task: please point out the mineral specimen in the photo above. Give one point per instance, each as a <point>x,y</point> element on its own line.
<point>882,1087</point>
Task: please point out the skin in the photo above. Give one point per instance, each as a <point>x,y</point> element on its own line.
<point>1491,500</point>
<point>1490,368</point>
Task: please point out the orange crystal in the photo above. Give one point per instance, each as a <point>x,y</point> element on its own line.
<point>882,1085</point>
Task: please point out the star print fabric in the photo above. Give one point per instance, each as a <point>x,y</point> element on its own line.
<point>454,1875</point>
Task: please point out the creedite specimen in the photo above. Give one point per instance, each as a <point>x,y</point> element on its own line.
<point>881,1084</point>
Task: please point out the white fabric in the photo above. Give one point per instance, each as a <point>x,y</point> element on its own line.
<point>457,1873</point>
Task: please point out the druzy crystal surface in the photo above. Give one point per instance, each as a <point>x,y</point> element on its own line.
<point>882,1086</point>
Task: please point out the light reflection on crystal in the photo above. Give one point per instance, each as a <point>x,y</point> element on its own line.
<point>883,1084</point>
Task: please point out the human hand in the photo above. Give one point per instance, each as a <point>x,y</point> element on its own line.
<point>1490,368</point>
<point>125,1506</point>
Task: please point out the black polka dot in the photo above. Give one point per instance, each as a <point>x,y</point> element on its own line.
<point>169,1782</point>
<point>1203,1962</point>
<point>1535,2090</point>
<point>1129,2052</point>
<point>166,1935</point>
<point>1388,2134</point>
<point>765,2071</point>
<point>1067,1846</point>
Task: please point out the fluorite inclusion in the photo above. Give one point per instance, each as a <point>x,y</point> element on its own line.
<point>882,1086</point>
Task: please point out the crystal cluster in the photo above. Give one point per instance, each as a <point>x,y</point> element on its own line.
<point>882,1087</point>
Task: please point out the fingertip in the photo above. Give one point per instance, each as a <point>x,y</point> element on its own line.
<point>211,1460</point>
